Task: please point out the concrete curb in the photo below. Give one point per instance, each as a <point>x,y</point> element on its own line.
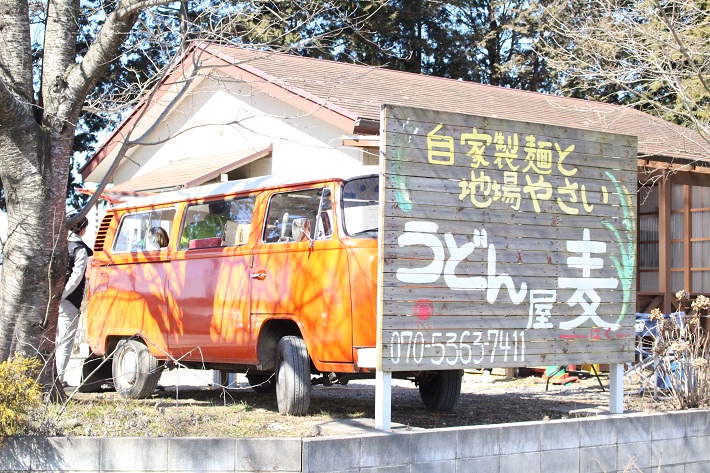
<point>675,441</point>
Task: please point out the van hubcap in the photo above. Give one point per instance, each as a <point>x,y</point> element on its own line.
<point>129,367</point>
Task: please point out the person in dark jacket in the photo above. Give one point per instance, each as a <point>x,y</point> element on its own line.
<point>72,296</point>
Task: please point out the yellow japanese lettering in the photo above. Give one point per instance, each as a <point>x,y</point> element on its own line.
<point>569,189</point>
<point>541,190</point>
<point>538,155</point>
<point>477,142</point>
<point>506,150</point>
<point>562,156</point>
<point>440,147</point>
<point>587,207</point>
<point>479,186</point>
<point>511,190</point>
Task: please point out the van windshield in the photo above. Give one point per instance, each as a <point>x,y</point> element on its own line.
<point>360,207</point>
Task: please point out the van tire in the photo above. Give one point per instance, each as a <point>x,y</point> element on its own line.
<point>262,382</point>
<point>135,371</point>
<point>440,390</point>
<point>293,376</point>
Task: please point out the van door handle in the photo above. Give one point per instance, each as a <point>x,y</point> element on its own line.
<point>260,275</point>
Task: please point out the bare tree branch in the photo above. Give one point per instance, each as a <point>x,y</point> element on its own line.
<point>652,55</point>
<point>82,77</point>
<point>681,44</point>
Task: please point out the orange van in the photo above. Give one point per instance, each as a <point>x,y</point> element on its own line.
<point>272,276</point>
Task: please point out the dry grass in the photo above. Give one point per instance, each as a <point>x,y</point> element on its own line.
<point>243,413</point>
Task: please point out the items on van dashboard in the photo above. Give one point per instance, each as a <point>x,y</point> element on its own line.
<point>291,315</point>
<point>205,243</point>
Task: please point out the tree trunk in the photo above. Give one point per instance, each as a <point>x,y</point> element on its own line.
<point>36,137</point>
<point>36,250</point>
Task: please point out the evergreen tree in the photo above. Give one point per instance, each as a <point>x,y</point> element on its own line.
<point>485,41</point>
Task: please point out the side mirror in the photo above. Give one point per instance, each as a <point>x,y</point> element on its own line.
<point>301,229</point>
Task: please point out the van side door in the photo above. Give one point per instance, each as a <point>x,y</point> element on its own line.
<point>129,288</point>
<point>209,285</point>
<point>300,273</point>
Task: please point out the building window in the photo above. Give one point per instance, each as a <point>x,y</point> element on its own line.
<point>677,233</point>
<point>700,239</point>
<point>648,240</point>
<point>690,238</point>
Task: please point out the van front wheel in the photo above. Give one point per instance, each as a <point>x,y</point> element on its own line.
<point>293,376</point>
<point>135,371</point>
<point>440,390</point>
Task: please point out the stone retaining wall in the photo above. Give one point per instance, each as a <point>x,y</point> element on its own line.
<point>676,441</point>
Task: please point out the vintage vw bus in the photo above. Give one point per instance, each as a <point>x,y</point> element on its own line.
<point>271,276</point>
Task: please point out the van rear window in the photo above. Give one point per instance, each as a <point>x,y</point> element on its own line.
<point>144,231</point>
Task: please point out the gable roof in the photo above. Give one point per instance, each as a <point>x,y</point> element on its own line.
<point>349,96</point>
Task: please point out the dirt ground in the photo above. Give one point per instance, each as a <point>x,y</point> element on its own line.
<point>200,411</point>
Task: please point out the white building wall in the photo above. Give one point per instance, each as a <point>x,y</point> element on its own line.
<point>220,118</point>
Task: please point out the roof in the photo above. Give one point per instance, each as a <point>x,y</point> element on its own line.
<point>250,184</point>
<point>363,89</point>
<point>189,172</point>
<point>347,94</point>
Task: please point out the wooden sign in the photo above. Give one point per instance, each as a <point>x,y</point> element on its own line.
<point>504,243</point>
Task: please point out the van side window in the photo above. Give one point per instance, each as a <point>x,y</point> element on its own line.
<point>217,223</point>
<point>144,231</point>
<point>294,216</point>
<point>360,207</point>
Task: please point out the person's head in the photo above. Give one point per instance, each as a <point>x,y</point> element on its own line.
<point>157,238</point>
<point>79,226</point>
